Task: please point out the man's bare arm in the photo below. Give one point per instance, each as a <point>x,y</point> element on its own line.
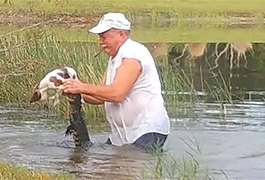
<point>94,100</point>
<point>126,75</point>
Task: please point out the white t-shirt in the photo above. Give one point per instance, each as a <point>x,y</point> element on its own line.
<point>142,110</point>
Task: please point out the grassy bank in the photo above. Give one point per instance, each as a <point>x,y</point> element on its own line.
<point>181,8</point>
<point>8,172</point>
<point>152,21</point>
<point>171,34</point>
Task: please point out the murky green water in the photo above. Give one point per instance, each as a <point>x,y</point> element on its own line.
<point>233,144</point>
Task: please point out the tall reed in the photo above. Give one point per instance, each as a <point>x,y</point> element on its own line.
<point>187,166</point>
<point>25,61</point>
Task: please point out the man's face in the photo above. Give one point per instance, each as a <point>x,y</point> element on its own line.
<point>109,41</point>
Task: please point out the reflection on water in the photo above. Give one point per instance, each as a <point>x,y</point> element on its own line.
<point>236,68</point>
<point>224,141</point>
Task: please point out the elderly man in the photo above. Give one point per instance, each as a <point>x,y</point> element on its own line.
<point>131,89</point>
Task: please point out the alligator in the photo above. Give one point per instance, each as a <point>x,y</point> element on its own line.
<point>77,125</point>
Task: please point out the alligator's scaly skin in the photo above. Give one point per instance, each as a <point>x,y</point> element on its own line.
<point>77,125</point>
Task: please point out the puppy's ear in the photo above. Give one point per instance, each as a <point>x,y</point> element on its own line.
<point>36,96</point>
<point>56,81</point>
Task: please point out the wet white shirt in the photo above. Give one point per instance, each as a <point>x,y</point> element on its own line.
<point>142,110</point>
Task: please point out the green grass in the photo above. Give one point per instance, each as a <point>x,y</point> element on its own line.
<point>171,34</point>
<point>154,21</point>
<point>181,6</point>
<point>174,34</point>
<point>8,172</point>
<point>200,35</point>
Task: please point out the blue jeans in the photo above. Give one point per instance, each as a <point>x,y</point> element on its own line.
<point>149,141</point>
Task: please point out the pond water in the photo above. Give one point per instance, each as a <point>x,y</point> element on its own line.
<point>234,144</point>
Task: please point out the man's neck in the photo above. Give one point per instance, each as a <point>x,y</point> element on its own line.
<point>119,46</point>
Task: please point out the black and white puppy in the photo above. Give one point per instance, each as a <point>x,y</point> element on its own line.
<point>52,82</point>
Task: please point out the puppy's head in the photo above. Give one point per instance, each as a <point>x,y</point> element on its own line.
<point>68,73</point>
<point>36,94</point>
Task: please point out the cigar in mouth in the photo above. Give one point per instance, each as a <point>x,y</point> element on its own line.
<point>96,55</point>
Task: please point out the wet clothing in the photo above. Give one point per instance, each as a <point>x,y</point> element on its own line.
<point>150,141</point>
<point>142,111</point>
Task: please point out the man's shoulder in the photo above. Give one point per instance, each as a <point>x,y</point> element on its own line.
<point>135,44</point>
<point>136,50</point>
<point>133,41</point>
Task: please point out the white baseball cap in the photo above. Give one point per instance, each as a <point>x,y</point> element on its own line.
<point>111,20</point>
